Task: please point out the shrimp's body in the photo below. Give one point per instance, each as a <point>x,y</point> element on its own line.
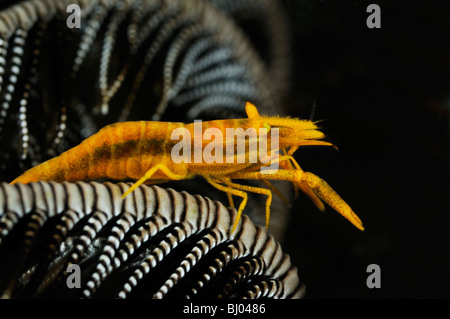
<point>142,151</point>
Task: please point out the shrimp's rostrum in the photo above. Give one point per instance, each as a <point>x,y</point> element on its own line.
<point>142,151</point>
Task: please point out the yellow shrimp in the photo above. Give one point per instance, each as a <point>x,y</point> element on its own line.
<point>145,151</point>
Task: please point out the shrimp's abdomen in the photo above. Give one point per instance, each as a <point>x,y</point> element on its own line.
<point>118,151</point>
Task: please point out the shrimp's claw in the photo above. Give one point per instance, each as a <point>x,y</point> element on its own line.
<point>328,194</point>
<point>312,196</point>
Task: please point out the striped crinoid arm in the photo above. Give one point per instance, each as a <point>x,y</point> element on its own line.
<point>265,25</point>
<point>156,243</point>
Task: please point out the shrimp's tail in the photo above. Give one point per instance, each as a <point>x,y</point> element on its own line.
<point>72,165</point>
<point>47,171</point>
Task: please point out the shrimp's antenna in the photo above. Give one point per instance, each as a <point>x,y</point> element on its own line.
<point>313,109</point>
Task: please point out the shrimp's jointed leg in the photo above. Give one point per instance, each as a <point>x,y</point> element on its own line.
<point>150,173</point>
<point>230,199</point>
<point>276,191</point>
<point>231,191</point>
<point>253,189</point>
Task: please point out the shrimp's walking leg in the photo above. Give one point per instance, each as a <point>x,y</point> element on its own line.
<point>276,191</point>
<point>232,191</point>
<point>230,199</point>
<point>150,173</point>
<point>257,190</point>
<point>229,195</point>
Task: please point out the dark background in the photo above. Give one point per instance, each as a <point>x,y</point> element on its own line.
<point>384,96</point>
